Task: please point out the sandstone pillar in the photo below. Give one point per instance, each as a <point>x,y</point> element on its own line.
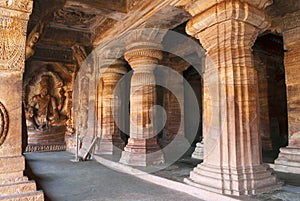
<point>232,152</point>
<point>289,157</point>
<point>111,142</point>
<point>174,142</point>
<point>13,23</point>
<point>264,126</point>
<point>142,148</point>
<point>174,104</point>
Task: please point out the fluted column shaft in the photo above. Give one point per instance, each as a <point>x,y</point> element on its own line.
<point>232,151</point>
<point>143,140</point>
<point>289,157</point>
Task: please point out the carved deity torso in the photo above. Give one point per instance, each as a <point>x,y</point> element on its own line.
<point>44,108</point>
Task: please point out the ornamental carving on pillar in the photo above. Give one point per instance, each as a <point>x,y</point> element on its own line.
<point>19,5</point>
<point>3,123</point>
<point>12,40</point>
<point>13,25</point>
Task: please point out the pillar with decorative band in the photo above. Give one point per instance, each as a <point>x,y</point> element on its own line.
<point>232,152</point>
<point>110,138</point>
<point>142,148</point>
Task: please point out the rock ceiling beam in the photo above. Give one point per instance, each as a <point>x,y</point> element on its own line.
<point>137,17</point>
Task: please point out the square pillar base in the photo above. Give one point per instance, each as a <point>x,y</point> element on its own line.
<point>107,147</point>
<point>142,159</point>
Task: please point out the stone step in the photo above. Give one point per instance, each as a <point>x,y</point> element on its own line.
<point>13,180</point>
<point>17,188</point>
<point>36,196</point>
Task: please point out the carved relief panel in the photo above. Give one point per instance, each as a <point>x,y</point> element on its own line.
<point>47,94</point>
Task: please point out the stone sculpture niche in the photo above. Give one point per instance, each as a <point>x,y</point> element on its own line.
<point>44,101</point>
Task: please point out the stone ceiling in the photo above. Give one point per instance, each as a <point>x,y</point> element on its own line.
<point>70,23</point>
<point>66,23</point>
<point>86,23</point>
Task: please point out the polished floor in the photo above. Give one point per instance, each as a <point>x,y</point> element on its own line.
<point>63,180</point>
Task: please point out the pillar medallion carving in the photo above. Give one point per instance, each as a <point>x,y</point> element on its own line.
<point>3,123</point>
<point>232,152</point>
<point>142,54</point>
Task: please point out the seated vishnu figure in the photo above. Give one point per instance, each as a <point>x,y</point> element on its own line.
<point>42,110</point>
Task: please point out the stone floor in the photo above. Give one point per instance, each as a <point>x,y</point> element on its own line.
<point>182,168</point>
<point>289,192</point>
<point>63,180</point>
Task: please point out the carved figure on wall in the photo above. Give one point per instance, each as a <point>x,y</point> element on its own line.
<point>44,99</point>
<point>61,101</point>
<point>84,103</point>
<point>46,107</point>
<point>33,39</point>
<point>70,127</point>
<point>43,111</point>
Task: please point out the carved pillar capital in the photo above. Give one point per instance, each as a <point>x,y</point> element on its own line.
<point>198,6</point>
<point>143,58</point>
<point>109,66</point>
<point>143,48</point>
<point>110,56</point>
<point>14,15</point>
<point>230,16</point>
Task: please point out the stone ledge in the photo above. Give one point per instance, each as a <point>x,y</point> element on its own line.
<point>12,164</point>
<point>174,185</point>
<point>13,179</point>
<point>36,196</point>
<point>17,188</point>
